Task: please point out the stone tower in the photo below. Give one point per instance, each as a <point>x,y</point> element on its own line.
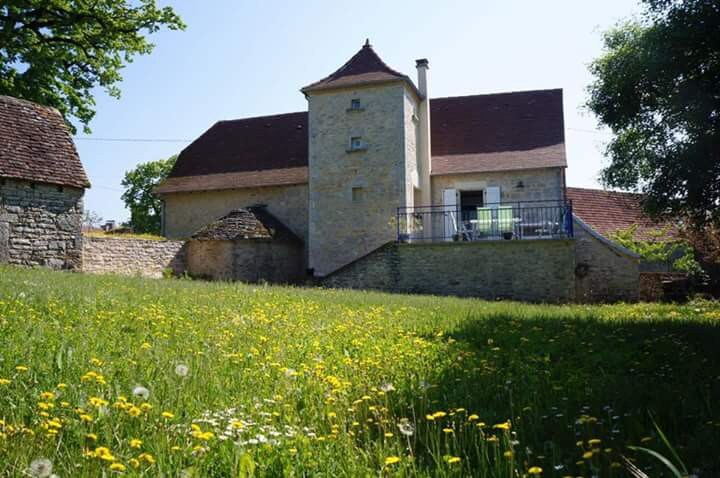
<point>365,148</point>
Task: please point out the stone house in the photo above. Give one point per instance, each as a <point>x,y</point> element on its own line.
<point>42,183</point>
<point>389,188</point>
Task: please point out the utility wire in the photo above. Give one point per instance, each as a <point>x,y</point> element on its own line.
<point>133,140</point>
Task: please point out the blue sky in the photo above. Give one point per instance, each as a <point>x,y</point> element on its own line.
<point>240,59</point>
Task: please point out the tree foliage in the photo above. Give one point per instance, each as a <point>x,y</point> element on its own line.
<point>144,205</point>
<point>55,52</point>
<point>678,254</point>
<point>657,86</point>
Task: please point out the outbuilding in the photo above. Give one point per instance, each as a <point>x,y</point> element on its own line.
<point>42,184</point>
<point>248,245</point>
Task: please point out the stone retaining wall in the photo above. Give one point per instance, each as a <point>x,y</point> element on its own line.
<point>133,257</point>
<point>40,224</point>
<point>538,271</point>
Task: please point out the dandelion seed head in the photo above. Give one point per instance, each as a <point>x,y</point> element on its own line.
<point>40,468</point>
<point>141,392</point>
<point>181,370</point>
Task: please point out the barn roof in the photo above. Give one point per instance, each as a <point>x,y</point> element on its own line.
<point>252,223</point>
<point>610,211</point>
<point>35,145</point>
<point>480,133</point>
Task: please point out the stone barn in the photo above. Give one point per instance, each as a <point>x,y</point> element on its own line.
<point>249,245</point>
<point>42,183</point>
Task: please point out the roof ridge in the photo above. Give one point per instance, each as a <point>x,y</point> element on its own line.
<point>274,115</point>
<point>499,93</point>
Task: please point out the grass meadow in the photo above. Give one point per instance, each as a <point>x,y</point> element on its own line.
<point>104,376</point>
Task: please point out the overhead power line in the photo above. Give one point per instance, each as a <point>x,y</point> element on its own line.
<point>134,140</point>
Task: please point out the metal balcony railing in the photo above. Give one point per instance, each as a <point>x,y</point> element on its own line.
<point>509,221</point>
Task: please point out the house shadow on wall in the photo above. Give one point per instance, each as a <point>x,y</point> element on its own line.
<point>549,375</point>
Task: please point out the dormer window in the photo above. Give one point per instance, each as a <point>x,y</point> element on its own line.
<point>357,144</point>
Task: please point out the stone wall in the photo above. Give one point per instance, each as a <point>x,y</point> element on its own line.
<point>538,184</point>
<point>343,228</point>
<point>538,271</point>
<point>246,260</point>
<point>606,272</point>
<point>185,213</point>
<point>40,224</point>
<point>132,257</point>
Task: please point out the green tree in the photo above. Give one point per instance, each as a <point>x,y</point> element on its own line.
<point>55,52</point>
<point>657,86</point>
<point>144,205</point>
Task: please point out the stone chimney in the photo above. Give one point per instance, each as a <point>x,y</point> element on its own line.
<point>422,66</point>
<point>423,140</point>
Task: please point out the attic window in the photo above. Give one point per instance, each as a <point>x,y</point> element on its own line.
<point>355,105</point>
<point>357,144</point>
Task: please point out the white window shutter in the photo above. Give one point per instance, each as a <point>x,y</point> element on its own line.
<point>492,196</point>
<point>450,207</point>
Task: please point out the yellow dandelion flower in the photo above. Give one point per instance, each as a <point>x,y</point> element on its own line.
<point>452,459</point>
<point>587,455</point>
<point>473,417</point>
<point>508,454</point>
<point>502,426</point>
<point>134,411</point>
<point>135,443</point>
<point>448,430</point>
<point>117,467</point>
<point>391,460</point>
<point>21,368</point>
<point>47,396</point>
<point>594,441</point>
<point>91,437</point>
<point>535,470</point>
<point>5,381</point>
<point>168,415</point>
<point>134,462</point>
<point>147,457</point>
<point>86,418</point>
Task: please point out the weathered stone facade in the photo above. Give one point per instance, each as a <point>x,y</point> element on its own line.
<point>537,184</point>
<point>246,260</point>
<point>186,213</point>
<point>132,257</point>
<point>605,272</point>
<point>40,224</point>
<point>354,194</point>
<point>538,271</point>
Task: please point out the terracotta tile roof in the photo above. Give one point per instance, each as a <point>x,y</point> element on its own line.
<point>495,132</point>
<point>365,67</point>
<point>244,179</point>
<point>251,144</point>
<point>35,145</point>
<point>610,211</point>
<point>252,223</point>
<point>543,157</point>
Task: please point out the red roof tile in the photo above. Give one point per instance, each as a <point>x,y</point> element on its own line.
<point>363,68</point>
<point>496,132</point>
<point>611,211</point>
<point>35,145</point>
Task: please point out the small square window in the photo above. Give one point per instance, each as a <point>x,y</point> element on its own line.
<point>355,104</point>
<point>356,143</point>
<point>358,194</point>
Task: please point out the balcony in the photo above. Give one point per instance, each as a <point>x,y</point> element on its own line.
<point>499,221</point>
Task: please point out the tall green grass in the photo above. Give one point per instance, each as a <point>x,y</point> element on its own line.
<point>309,382</point>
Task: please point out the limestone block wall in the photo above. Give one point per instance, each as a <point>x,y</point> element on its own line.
<point>538,184</point>
<point>247,261</point>
<point>132,257</point>
<point>538,271</point>
<point>343,228</point>
<point>40,224</point>
<point>605,271</point>
<point>185,213</point>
